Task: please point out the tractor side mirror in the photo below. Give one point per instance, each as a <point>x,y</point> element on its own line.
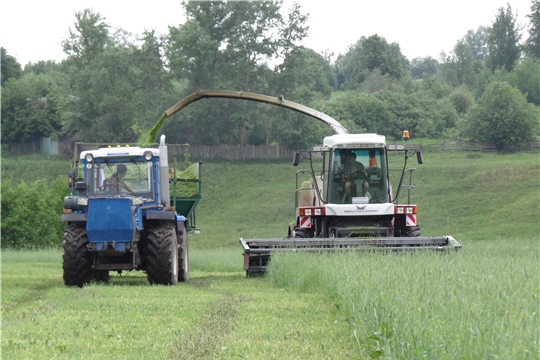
<point>419,156</point>
<point>296,159</point>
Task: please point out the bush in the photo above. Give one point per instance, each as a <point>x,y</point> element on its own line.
<point>31,214</point>
<point>502,117</point>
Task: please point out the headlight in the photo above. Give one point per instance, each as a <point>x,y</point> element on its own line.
<point>137,200</point>
<point>82,201</point>
<point>148,155</point>
<point>89,157</point>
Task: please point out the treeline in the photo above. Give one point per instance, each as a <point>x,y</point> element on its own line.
<point>113,85</point>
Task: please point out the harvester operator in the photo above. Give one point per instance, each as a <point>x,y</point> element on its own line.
<point>350,171</point>
<point>117,182</point>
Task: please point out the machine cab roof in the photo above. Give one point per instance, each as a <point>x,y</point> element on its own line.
<point>354,141</point>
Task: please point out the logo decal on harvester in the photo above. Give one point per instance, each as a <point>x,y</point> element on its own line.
<point>305,221</point>
<point>410,220</point>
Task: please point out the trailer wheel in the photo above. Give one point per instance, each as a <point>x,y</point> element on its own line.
<point>183,255</point>
<point>76,259</point>
<point>162,255</point>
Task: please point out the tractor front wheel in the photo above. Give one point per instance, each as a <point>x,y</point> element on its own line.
<point>76,259</point>
<point>162,255</point>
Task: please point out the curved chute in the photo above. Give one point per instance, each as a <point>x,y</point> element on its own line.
<point>280,101</point>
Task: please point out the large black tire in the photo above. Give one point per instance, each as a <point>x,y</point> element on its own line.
<point>76,259</point>
<point>183,255</point>
<point>413,231</point>
<point>162,255</point>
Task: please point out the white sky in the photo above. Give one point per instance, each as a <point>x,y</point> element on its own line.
<point>32,30</point>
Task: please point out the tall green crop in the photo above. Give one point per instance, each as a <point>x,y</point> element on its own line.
<point>480,303</point>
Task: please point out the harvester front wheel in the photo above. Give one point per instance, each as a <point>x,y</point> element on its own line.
<point>76,259</point>
<point>162,253</point>
<point>413,231</point>
<point>183,255</point>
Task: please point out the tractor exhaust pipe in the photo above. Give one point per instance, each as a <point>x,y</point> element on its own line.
<point>164,173</point>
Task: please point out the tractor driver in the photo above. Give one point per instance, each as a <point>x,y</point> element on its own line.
<point>116,181</point>
<point>350,171</point>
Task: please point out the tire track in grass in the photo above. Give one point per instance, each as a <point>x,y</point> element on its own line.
<point>211,330</point>
<point>35,293</point>
<point>251,318</point>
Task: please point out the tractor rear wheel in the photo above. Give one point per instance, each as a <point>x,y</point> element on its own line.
<point>183,255</point>
<point>76,259</point>
<point>162,255</point>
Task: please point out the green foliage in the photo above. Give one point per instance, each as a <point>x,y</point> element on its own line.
<point>378,54</point>
<point>459,65</point>
<point>120,90</point>
<point>31,213</point>
<point>477,41</point>
<point>503,41</point>
<point>462,99</point>
<point>30,108</point>
<point>435,86</point>
<point>9,67</point>
<point>90,37</point>
<point>525,77</point>
<point>206,47</point>
<point>376,81</point>
<point>423,65</point>
<point>346,63</point>
<point>533,41</point>
<point>304,72</point>
<point>359,112</point>
<point>502,117</point>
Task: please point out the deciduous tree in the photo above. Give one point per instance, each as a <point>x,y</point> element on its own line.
<point>378,54</point>
<point>29,108</point>
<point>9,66</point>
<point>423,65</point>
<point>502,117</point>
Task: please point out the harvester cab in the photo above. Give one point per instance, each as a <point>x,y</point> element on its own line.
<point>122,215</point>
<point>354,182</point>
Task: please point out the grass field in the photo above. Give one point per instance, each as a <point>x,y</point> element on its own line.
<point>479,303</point>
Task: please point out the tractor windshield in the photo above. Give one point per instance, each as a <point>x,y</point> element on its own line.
<point>130,178</point>
<point>358,176</point>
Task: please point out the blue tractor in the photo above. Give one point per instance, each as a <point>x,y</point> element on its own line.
<point>128,212</point>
